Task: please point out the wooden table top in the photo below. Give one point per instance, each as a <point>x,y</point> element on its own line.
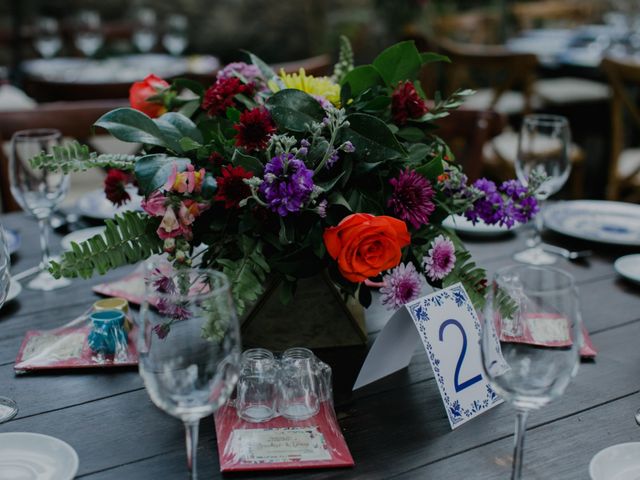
<point>395,428</point>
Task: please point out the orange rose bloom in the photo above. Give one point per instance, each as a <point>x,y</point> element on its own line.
<point>141,91</point>
<point>365,245</point>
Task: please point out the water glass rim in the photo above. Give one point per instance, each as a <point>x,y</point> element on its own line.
<point>36,133</point>
<point>545,119</point>
<point>543,268</point>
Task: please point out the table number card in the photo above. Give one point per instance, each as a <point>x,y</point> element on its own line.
<point>447,324</point>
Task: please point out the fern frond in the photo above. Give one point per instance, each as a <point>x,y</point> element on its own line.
<point>247,275</point>
<point>345,60</point>
<point>75,157</point>
<point>127,239</point>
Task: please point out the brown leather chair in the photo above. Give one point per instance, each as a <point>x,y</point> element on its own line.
<point>73,119</point>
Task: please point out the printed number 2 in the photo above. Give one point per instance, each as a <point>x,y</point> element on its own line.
<point>467,383</point>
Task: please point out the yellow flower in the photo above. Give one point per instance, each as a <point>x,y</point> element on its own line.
<point>321,86</point>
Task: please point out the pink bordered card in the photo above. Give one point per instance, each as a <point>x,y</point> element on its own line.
<point>130,287</point>
<point>280,444</point>
<point>65,348</point>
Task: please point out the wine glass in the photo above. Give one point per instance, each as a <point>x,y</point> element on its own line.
<point>47,40</point>
<point>144,36</point>
<point>189,345</point>
<point>543,149</point>
<point>38,191</point>
<point>175,38</point>
<point>530,346</point>
<point>89,37</point>
<point>8,408</point>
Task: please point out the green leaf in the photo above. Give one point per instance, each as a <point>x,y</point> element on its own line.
<point>187,144</point>
<point>192,85</point>
<point>131,125</point>
<point>360,79</point>
<point>74,157</point>
<point>190,107</point>
<point>398,63</point>
<point>249,163</point>
<point>432,169</point>
<point>294,110</point>
<point>417,153</point>
<point>326,186</point>
<point>411,134</point>
<point>372,139</point>
<point>175,126</point>
<point>430,57</point>
<point>128,238</point>
<point>152,171</point>
<point>265,69</point>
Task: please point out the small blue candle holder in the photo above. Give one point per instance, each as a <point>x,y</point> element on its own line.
<point>107,331</point>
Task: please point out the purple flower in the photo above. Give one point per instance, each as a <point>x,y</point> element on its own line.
<point>440,259</point>
<point>412,198</point>
<point>287,184</point>
<point>333,158</point>
<point>162,330</point>
<point>162,283</point>
<point>401,285</point>
<point>520,205</point>
<point>321,209</point>
<point>490,207</point>
<point>250,73</point>
<point>348,147</point>
<point>173,310</point>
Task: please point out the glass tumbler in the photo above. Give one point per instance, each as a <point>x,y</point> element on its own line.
<point>299,397</point>
<point>257,386</point>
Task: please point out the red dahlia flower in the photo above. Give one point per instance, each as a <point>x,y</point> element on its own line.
<point>406,103</point>
<point>115,186</point>
<point>220,95</point>
<point>231,188</point>
<point>254,129</point>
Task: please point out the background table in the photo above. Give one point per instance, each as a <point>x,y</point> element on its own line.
<point>396,428</point>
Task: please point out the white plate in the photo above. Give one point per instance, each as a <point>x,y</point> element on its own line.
<point>14,290</point>
<point>599,221</point>
<point>79,236</point>
<point>629,267</point>
<point>618,462</point>
<point>461,224</point>
<point>34,456</point>
<point>96,205</point>
<point>13,240</point>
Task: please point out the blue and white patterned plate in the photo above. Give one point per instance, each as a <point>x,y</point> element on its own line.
<point>13,240</point>
<point>461,225</point>
<point>616,223</point>
<point>629,267</point>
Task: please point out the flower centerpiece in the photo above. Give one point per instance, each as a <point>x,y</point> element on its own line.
<point>284,176</point>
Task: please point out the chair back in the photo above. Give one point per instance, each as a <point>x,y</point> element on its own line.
<point>624,79</point>
<point>550,13</point>
<point>73,119</point>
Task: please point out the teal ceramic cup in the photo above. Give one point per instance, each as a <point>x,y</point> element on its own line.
<point>107,332</point>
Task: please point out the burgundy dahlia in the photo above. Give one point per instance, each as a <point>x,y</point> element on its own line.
<point>254,129</point>
<point>221,95</point>
<point>412,198</point>
<point>231,187</point>
<point>115,186</point>
<point>406,103</point>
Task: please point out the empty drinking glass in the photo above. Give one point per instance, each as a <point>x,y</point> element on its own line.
<point>299,397</point>
<point>257,387</point>
<point>144,34</point>
<point>8,408</point>
<point>189,345</point>
<point>530,351</point>
<point>88,36</point>
<point>38,191</point>
<point>175,38</point>
<point>47,40</point>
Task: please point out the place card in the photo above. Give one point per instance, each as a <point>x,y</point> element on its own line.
<point>448,326</point>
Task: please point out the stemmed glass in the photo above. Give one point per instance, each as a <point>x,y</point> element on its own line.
<point>530,353</point>
<point>543,148</point>
<point>189,346</point>
<point>89,37</point>
<point>47,40</point>
<point>144,37</point>
<point>38,191</point>
<point>8,408</point>
<point>175,38</point>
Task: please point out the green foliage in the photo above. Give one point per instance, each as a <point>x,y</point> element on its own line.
<point>152,171</point>
<point>247,275</point>
<point>345,60</point>
<point>74,157</point>
<point>372,138</point>
<point>294,110</point>
<point>127,239</point>
<point>399,62</point>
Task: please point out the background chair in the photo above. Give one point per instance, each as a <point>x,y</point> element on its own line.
<point>73,119</point>
<point>624,163</point>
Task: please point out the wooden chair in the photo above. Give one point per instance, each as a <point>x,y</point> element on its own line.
<point>466,132</point>
<point>568,13</point>
<point>475,26</point>
<point>624,164</point>
<point>73,119</point>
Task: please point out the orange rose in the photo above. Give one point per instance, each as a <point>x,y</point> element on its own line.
<point>141,91</point>
<point>365,245</point>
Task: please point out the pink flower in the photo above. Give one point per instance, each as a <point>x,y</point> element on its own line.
<point>170,226</point>
<point>188,181</point>
<point>402,285</point>
<point>440,259</point>
<point>189,211</point>
<point>154,205</point>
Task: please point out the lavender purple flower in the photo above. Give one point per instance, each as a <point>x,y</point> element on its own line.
<point>288,184</point>
<point>401,285</point>
<point>490,207</point>
<point>250,73</point>
<point>440,259</point>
